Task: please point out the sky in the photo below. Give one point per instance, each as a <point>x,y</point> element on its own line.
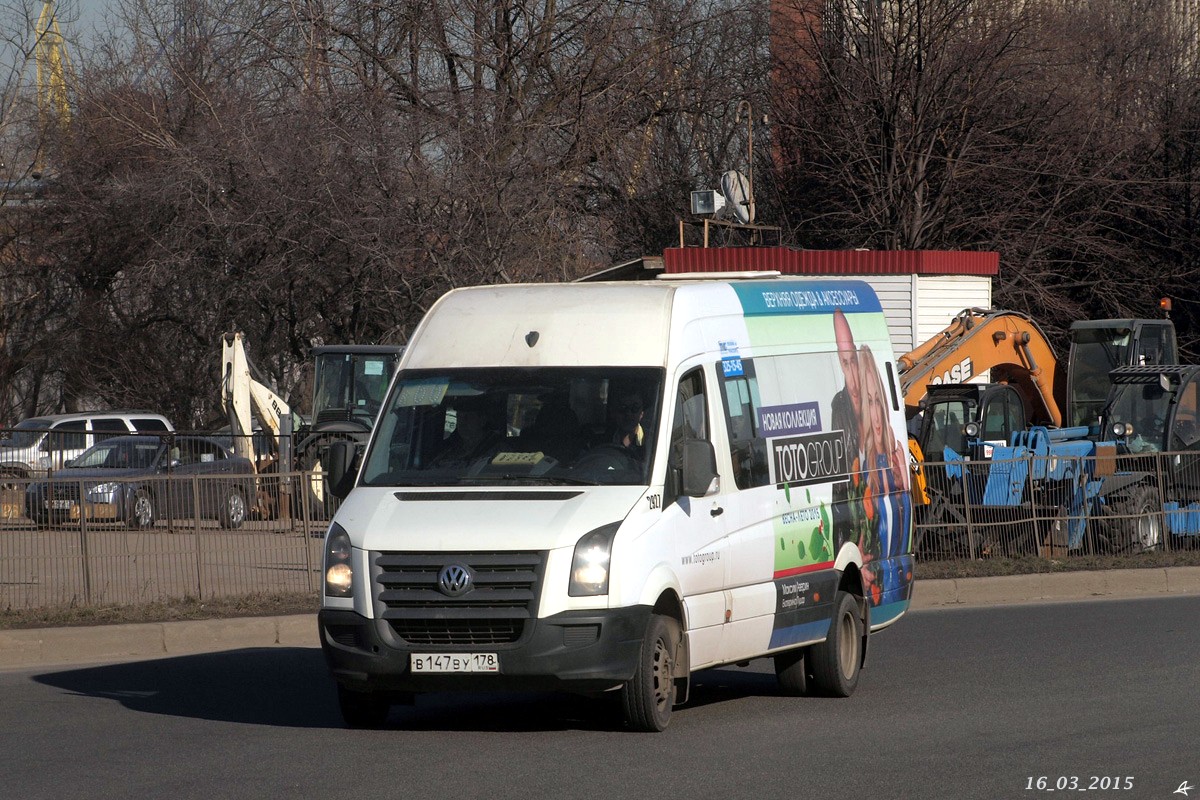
<point>90,14</point>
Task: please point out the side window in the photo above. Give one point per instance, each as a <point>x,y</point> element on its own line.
<point>1016,415</point>
<point>67,436</point>
<point>748,448</point>
<point>207,452</point>
<point>691,415</point>
<point>945,422</point>
<point>149,424</point>
<point>184,452</point>
<point>689,421</point>
<point>1186,435</point>
<point>997,419</point>
<point>108,428</point>
<point>197,451</point>
<point>1152,347</point>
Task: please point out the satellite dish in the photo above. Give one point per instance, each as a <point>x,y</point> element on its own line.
<point>736,189</point>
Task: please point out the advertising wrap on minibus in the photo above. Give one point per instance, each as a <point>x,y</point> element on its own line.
<point>834,454</point>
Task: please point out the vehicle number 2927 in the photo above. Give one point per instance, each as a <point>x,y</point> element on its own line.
<point>455,662</point>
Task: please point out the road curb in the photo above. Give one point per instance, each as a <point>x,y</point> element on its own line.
<point>1041,587</point>
<point>56,647</point>
<point>102,643</point>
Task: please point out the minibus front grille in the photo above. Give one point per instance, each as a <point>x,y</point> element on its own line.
<point>501,596</point>
<point>458,632</point>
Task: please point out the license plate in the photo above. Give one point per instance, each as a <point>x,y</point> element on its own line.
<point>59,505</point>
<point>455,662</point>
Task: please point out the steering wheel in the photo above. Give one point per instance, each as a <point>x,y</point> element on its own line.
<point>605,456</point>
<point>365,414</point>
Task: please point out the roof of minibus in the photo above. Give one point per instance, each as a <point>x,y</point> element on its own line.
<point>624,323</point>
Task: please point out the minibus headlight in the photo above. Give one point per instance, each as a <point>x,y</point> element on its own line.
<point>339,574</point>
<point>589,565</point>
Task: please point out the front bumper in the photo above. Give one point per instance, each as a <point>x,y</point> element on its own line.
<point>45,506</point>
<point>572,651</point>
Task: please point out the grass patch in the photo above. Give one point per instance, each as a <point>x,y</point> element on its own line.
<point>187,608</point>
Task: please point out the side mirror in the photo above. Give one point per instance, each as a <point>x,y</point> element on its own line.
<point>697,463</point>
<point>340,467</point>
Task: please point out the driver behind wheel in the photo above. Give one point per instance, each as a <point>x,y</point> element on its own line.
<point>473,437</point>
<point>625,422</point>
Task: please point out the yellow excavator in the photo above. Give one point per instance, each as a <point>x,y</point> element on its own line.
<point>1027,383</point>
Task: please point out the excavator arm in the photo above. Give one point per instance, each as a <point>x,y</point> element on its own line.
<point>1008,343</point>
<point>244,398</point>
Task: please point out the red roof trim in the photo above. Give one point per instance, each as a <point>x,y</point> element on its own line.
<point>831,262</point>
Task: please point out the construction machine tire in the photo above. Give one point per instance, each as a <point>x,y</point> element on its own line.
<point>315,488</point>
<point>942,529</point>
<point>1140,521</point>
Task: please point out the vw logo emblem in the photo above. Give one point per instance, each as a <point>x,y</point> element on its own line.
<point>454,580</point>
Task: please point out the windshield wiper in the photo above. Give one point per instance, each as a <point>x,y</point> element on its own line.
<point>560,480</point>
<point>525,480</point>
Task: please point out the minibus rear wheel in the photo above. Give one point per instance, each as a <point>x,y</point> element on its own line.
<point>834,663</point>
<point>649,695</point>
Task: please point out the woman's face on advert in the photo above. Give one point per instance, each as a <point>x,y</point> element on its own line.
<point>874,397</point>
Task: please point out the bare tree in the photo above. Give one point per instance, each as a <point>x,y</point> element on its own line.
<point>33,79</point>
<point>1037,129</point>
<point>888,109</point>
<point>322,171</point>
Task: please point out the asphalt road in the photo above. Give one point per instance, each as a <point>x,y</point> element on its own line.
<point>956,703</point>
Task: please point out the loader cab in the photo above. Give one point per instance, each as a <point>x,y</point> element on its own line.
<point>350,381</point>
<point>1155,409</point>
<point>1154,416</point>
<point>1100,346</point>
<point>992,411</point>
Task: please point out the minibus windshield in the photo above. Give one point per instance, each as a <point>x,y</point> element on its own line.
<point>517,426</point>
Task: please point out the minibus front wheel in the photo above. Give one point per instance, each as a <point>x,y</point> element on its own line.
<point>649,695</point>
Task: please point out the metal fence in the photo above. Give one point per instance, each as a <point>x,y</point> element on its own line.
<point>1059,507</point>
<point>62,544</point>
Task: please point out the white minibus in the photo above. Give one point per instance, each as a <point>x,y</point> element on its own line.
<point>609,486</point>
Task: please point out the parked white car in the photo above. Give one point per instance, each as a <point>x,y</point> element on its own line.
<point>40,444</point>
